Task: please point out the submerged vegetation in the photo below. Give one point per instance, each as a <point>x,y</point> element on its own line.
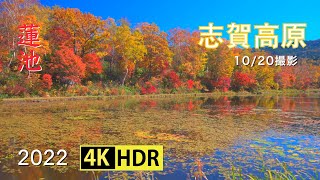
<point>230,135</point>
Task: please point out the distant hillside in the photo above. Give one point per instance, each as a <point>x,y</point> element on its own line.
<point>311,51</point>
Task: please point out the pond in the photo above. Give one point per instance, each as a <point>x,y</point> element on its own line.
<point>218,137</point>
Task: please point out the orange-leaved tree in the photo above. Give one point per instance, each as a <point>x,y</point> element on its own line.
<point>158,55</point>
<point>189,58</point>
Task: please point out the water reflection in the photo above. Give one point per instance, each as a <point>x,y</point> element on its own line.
<point>248,132</point>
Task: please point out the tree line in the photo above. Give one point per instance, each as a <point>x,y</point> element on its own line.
<point>82,52</point>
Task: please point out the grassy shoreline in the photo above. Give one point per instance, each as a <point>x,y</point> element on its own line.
<point>291,92</point>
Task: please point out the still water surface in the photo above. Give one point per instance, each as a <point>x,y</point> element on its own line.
<point>220,133</point>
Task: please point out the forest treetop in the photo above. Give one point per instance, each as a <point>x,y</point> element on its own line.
<point>81,50</point>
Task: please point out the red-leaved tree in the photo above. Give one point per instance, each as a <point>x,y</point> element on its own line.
<point>93,64</point>
<point>223,83</point>
<point>243,81</point>
<point>66,67</point>
<point>46,81</point>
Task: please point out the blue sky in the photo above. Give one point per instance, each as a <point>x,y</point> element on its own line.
<point>191,14</point>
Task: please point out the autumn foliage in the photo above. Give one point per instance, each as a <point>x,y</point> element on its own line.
<point>223,83</point>
<point>66,67</point>
<point>82,54</point>
<point>46,81</point>
<point>243,80</point>
<point>93,64</point>
<point>148,88</point>
<point>190,84</point>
